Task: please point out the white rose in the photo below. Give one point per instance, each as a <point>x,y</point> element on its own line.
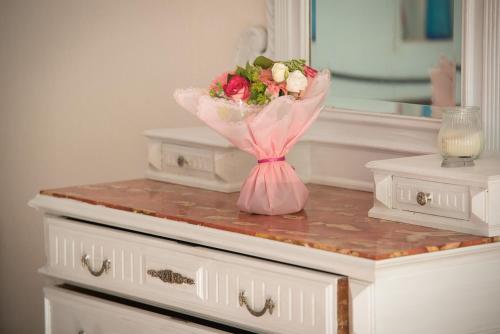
<point>280,72</point>
<point>296,82</point>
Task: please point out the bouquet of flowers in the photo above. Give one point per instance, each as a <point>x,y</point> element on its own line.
<point>263,109</point>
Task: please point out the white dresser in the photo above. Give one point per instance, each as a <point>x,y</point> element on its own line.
<point>143,256</point>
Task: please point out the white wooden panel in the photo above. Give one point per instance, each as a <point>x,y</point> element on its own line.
<point>68,312</point>
<point>301,306</point>
<point>362,319</point>
<point>383,188</point>
<point>67,246</point>
<point>447,200</point>
<point>306,301</point>
<point>493,204</point>
<point>448,295</point>
<point>194,158</point>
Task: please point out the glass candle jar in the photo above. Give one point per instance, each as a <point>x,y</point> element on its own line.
<point>461,139</point>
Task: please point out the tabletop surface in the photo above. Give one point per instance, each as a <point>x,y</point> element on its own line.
<point>333,220</point>
<point>485,169</point>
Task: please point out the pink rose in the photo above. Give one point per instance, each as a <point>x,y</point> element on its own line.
<point>237,88</point>
<point>309,71</point>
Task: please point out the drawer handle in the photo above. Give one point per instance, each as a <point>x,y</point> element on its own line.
<point>106,265</point>
<point>423,198</point>
<point>169,276</point>
<point>81,332</point>
<point>269,305</point>
<point>181,161</point>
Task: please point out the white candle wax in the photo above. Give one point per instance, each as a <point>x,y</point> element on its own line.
<point>457,143</point>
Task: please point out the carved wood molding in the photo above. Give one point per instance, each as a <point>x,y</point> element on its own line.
<point>288,29</point>
<point>491,74</point>
<point>481,64</point>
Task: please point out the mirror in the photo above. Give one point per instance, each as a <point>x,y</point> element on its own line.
<point>392,56</point>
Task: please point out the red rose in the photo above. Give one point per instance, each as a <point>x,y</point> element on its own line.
<point>237,88</point>
<point>309,71</point>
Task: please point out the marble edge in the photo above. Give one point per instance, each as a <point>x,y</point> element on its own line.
<point>289,240</point>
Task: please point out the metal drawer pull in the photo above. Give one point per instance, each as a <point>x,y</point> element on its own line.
<point>181,161</point>
<point>269,305</point>
<point>106,265</point>
<point>423,198</point>
<point>81,331</point>
<point>169,276</point>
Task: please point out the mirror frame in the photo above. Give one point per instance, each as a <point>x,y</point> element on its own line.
<point>288,37</point>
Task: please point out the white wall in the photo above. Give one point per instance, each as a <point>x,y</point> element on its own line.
<point>79,82</point>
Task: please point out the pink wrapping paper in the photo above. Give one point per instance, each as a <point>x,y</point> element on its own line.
<point>268,132</point>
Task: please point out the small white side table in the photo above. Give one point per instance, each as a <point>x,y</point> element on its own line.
<point>417,190</point>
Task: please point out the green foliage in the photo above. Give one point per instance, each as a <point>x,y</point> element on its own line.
<point>250,72</point>
<point>239,71</point>
<point>217,91</point>
<point>253,72</point>
<point>295,64</point>
<point>263,62</point>
<point>258,94</point>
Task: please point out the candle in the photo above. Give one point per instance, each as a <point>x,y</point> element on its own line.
<point>457,143</point>
<point>460,138</point>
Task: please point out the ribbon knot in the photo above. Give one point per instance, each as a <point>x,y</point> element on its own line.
<point>262,161</point>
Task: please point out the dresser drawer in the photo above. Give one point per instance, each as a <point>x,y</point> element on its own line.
<point>187,160</point>
<point>68,312</point>
<point>238,290</point>
<point>433,198</point>
<point>220,169</point>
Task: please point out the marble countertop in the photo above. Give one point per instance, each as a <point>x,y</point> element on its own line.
<point>334,219</point>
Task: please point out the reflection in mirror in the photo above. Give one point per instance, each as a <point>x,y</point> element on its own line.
<point>392,56</point>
